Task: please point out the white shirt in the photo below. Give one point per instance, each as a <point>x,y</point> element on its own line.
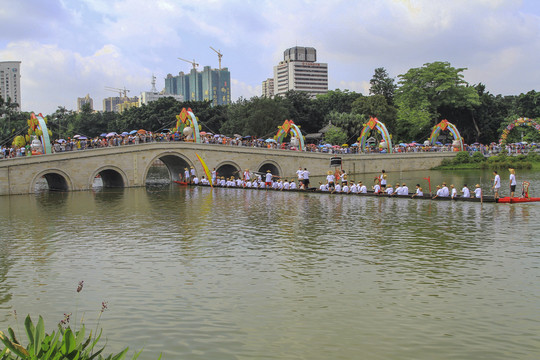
<point>300,174</point>
<point>466,192</point>
<point>454,193</point>
<point>398,190</point>
<point>497,181</point>
<point>268,177</point>
<point>286,185</point>
<point>354,189</point>
<point>338,188</point>
<point>196,180</point>
<point>390,191</point>
<point>330,178</point>
<point>292,185</point>
<point>478,192</point>
<point>404,190</point>
<point>345,189</point>
<point>305,174</point>
<point>513,179</point>
<point>363,189</point>
<point>445,192</point>
<point>376,189</point>
<point>419,192</point>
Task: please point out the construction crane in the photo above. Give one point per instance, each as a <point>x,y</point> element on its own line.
<point>120,91</point>
<point>191,62</point>
<point>219,55</point>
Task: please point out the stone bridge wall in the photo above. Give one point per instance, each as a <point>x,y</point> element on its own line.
<point>128,165</point>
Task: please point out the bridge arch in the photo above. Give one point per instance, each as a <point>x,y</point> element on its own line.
<point>112,177</point>
<point>174,161</point>
<point>57,180</point>
<point>271,165</point>
<point>228,169</point>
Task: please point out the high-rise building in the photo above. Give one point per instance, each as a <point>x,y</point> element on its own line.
<point>300,71</point>
<point>119,103</point>
<point>268,88</point>
<point>10,81</point>
<point>210,84</point>
<point>83,101</point>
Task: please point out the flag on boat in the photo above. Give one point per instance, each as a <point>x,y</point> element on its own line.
<point>206,171</point>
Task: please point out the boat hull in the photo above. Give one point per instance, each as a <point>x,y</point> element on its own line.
<point>515,200</point>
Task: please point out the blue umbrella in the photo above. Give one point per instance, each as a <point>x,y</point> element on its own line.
<point>103,135</point>
<point>131,132</point>
<point>125,133</point>
<point>438,143</point>
<point>270,140</point>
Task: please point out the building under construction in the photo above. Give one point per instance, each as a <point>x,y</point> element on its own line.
<point>210,84</point>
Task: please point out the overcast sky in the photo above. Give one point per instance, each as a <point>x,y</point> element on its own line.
<point>70,48</point>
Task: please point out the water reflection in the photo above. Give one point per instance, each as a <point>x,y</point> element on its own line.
<point>248,274</point>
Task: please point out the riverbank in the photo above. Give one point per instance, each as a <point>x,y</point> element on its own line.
<point>477,161</point>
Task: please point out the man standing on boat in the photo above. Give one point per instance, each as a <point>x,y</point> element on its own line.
<point>382,180</point>
<point>305,175</point>
<point>496,185</point>
<point>513,182</point>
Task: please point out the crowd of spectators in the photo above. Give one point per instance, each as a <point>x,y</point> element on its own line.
<point>78,143</point>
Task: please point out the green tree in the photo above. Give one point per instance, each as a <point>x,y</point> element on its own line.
<point>382,84</point>
<point>376,106</point>
<point>350,124</point>
<point>528,105</point>
<point>424,92</point>
<point>335,135</point>
<point>259,117</point>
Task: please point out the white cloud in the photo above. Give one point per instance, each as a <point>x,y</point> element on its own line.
<point>242,89</point>
<point>94,43</point>
<point>52,76</point>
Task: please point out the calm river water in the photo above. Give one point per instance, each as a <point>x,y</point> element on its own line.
<point>238,274</point>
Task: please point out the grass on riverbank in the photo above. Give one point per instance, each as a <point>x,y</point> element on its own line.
<point>464,161</point>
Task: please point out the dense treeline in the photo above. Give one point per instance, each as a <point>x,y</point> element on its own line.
<point>409,107</point>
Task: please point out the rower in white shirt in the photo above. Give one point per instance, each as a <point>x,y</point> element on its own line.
<point>478,191</point>
<point>444,191</point>
<point>404,189</point>
<point>466,192</point>
<point>362,189</point>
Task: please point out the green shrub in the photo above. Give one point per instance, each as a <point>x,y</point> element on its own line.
<point>65,344</point>
<point>533,156</point>
<point>462,157</point>
<point>477,157</point>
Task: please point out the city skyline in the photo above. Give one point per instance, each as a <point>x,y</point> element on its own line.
<point>74,48</point>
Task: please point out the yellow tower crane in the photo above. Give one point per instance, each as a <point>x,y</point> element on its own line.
<point>219,54</point>
<point>120,91</point>
<point>191,62</point>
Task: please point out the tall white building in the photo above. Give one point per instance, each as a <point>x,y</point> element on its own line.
<point>10,81</point>
<point>300,71</point>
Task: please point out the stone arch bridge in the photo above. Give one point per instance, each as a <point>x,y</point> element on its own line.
<point>128,166</point>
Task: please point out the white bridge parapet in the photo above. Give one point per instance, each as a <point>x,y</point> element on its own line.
<point>128,166</point>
